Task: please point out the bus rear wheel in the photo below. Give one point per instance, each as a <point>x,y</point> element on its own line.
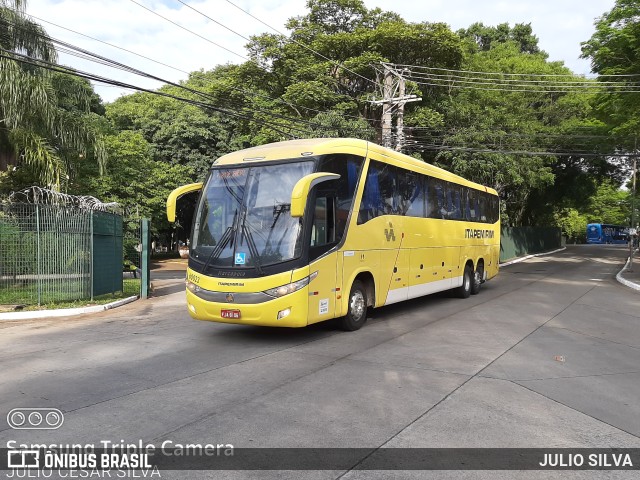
<point>464,290</point>
<point>356,309</point>
<point>477,281</point>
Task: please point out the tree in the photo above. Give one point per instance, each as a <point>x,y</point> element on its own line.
<point>135,180</point>
<point>40,127</point>
<point>572,223</point>
<point>484,129</point>
<point>614,49</point>
<point>484,37</point>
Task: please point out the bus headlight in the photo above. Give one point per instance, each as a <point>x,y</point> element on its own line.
<point>290,287</point>
<point>192,287</point>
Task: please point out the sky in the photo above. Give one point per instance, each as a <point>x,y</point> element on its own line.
<point>559,24</point>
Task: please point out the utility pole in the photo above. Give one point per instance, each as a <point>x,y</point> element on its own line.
<point>393,81</point>
<point>400,120</point>
<point>387,106</point>
<point>633,205</point>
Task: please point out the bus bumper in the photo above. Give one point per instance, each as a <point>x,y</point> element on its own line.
<point>292,309</point>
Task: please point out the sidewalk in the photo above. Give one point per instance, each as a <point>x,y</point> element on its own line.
<point>630,274</point>
<point>167,277</point>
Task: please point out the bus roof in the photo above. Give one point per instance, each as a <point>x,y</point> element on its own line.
<point>295,149</point>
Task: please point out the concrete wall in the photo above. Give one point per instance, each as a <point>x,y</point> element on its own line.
<point>520,241</point>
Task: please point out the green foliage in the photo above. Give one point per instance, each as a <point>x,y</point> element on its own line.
<point>614,49</point>
<point>609,204</point>
<point>133,178</point>
<point>480,120</point>
<point>572,223</point>
<point>485,37</point>
<point>37,128</point>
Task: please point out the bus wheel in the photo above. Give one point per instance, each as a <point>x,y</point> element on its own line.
<point>464,290</point>
<point>477,281</point>
<point>357,309</point>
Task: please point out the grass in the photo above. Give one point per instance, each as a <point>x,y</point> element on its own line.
<point>27,295</point>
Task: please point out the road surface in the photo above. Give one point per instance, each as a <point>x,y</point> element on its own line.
<point>547,355</point>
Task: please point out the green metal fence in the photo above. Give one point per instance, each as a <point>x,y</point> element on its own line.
<point>54,253</point>
<point>520,241</point>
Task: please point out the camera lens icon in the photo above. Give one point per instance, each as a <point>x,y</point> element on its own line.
<point>35,418</point>
<point>17,419</point>
<point>53,418</point>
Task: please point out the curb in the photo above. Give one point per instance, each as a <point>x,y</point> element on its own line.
<point>521,259</point>
<point>65,312</point>
<point>623,280</point>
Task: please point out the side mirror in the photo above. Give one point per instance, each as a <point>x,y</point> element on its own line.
<point>173,198</point>
<point>303,186</point>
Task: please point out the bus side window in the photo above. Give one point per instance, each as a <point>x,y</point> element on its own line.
<point>389,190</point>
<point>411,194</point>
<point>474,215</point>
<point>370,203</point>
<point>343,189</point>
<point>434,200</point>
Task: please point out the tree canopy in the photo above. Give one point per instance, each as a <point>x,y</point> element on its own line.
<point>44,116</point>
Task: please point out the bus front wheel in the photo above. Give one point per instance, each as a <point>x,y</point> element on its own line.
<point>464,290</point>
<point>356,309</point>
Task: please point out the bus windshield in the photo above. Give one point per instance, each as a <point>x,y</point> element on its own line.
<point>243,218</point>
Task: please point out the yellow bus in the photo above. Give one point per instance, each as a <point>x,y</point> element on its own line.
<point>299,232</point>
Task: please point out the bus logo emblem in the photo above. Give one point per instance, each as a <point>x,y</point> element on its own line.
<point>240,258</point>
<point>391,237</point>
<point>229,297</point>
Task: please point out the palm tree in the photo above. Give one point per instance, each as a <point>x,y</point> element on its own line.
<point>35,130</point>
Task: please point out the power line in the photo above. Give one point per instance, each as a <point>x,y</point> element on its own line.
<point>213,20</point>
<point>527,90</point>
<point>110,44</point>
<point>423,67</point>
<point>425,146</point>
<point>245,92</point>
<point>97,78</point>
<point>521,82</point>
<point>334,62</point>
<point>190,31</point>
<point>90,56</point>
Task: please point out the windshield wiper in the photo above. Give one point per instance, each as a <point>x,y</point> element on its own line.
<point>227,236</point>
<point>278,209</point>
<point>255,255</point>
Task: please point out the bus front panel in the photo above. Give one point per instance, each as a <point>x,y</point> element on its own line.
<point>274,301</point>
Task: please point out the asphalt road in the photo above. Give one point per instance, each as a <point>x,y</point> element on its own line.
<point>547,355</point>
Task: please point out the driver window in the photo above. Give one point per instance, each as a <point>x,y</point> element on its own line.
<point>323,231</point>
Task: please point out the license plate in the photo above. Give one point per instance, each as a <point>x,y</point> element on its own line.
<point>235,314</point>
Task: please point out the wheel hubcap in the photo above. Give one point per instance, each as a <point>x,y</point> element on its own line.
<point>357,305</point>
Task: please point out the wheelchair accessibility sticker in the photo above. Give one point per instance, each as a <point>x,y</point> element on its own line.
<point>240,258</point>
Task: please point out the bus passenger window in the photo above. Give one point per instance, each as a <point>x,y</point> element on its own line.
<point>433,198</point>
<point>483,207</point>
<point>454,202</point>
<point>474,214</point>
<point>411,194</point>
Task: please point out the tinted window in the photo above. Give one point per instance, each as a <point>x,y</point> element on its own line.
<point>473,213</point>
<point>380,193</point>
<point>436,201</point>
<point>343,190</point>
<point>454,201</point>
<point>411,193</point>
